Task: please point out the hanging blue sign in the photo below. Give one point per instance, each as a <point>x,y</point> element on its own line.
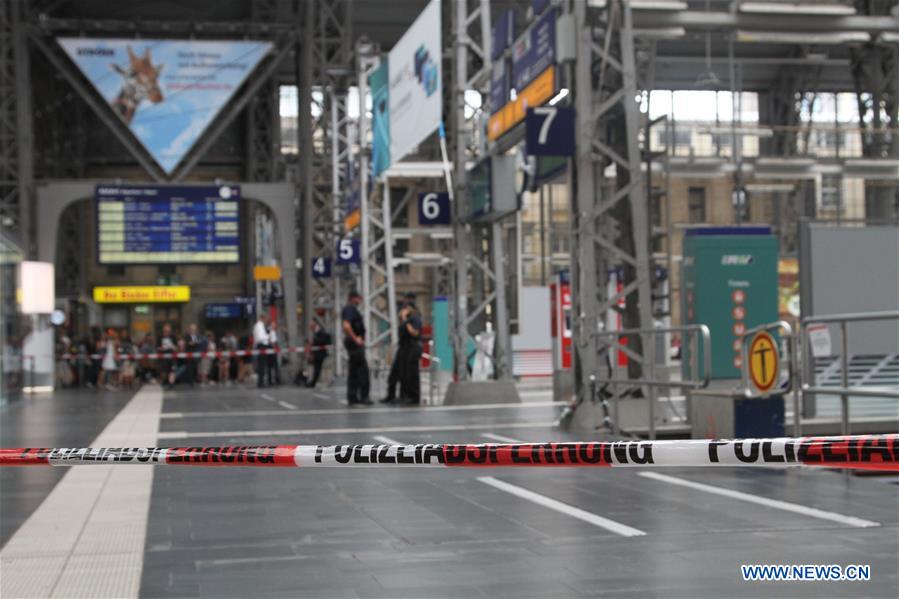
<point>534,51</point>
<point>347,252</point>
<point>503,33</point>
<point>379,84</point>
<point>549,131</point>
<point>221,311</point>
<point>434,209</point>
<point>499,85</point>
<point>321,268</point>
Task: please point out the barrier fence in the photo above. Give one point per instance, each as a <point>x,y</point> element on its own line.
<point>865,452</point>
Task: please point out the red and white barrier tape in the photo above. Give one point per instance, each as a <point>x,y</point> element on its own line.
<point>871,452</point>
<point>194,354</point>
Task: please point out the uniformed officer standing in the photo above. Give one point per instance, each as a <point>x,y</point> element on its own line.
<point>393,379</point>
<point>410,352</point>
<point>357,385</point>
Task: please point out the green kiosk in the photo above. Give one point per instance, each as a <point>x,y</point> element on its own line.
<point>729,283</point>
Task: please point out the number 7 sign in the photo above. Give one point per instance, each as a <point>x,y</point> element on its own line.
<point>549,131</point>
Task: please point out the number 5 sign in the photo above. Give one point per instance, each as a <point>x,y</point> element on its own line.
<point>549,131</point>
<point>433,208</point>
<point>348,251</point>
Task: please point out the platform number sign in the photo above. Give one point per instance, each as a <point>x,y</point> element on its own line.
<point>433,209</point>
<point>549,131</point>
<point>348,251</point>
<point>321,268</point>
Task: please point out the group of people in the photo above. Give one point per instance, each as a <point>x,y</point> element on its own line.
<point>110,359</point>
<point>404,370</point>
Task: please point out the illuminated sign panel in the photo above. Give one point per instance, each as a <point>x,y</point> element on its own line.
<point>537,93</point>
<point>168,224</point>
<point>142,295</point>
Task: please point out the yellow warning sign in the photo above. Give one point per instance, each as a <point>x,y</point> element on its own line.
<point>764,362</point>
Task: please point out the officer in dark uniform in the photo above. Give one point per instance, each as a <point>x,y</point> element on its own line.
<point>357,385</point>
<point>410,352</point>
<point>393,379</point>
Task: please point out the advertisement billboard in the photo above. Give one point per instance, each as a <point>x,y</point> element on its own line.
<point>378,83</point>
<point>416,97</point>
<point>153,224</point>
<point>166,91</point>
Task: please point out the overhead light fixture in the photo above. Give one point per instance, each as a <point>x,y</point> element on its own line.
<point>802,37</point>
<point>889,37</point>
<point>442,235</point>
<point>800,8</point>
<point>661,33</point>
<point>725,130</point>
<point>658,5</point>
<point>769,187</point>
<point>563,93</point>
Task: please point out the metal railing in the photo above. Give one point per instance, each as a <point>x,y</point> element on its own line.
<point>693,333</point>
<point>808,383</point>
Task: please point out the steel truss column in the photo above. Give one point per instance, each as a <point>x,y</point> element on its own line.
<point>471,47</point>
<point>378,284</point>
<point>326,63</point>
<point>16,138</point>
<point>610,216</point>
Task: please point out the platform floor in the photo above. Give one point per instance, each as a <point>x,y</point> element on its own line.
<point>175,532</point>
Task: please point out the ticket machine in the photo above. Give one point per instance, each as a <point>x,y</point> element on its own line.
<point>560,323</point>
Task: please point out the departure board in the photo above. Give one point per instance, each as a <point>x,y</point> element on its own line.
<point>141,224</point>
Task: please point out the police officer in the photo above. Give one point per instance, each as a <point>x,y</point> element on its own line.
<point>410,350</point>
<point>393,379</point>
<point>357,385</point>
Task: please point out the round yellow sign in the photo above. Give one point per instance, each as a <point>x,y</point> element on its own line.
<point>764,362</point>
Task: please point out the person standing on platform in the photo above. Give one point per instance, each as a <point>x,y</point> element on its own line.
<point>393,379</point>
<point>192,343</point>
<point>167,365</point>
<point>274,366</point>
<point>358,382</point>
<point>410,352</point>
<point>317,351</point>
<point>261,344</point>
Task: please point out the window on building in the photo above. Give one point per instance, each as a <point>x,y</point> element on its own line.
<point>696,204</point>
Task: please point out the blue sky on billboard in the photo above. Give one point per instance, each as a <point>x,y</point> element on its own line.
<point>166,91</point>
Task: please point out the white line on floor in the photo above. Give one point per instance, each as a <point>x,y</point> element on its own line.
<point>289,406</point>
<point>563,508</point>
<point>87,537</point>
<point>387,440</point>
<point>266,396</point>
<point>500,438</point>
<point>322,396</point>
<point>351,431</point>
<point>773,503</point>
<point>324,411</point>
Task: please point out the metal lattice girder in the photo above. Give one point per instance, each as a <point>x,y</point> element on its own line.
<point>16,144</point>
<point>480,284</point>
<point>609,216</point>
<point>325,68</point>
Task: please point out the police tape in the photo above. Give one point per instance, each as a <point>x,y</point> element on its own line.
<point>871,452</point>
<point>181,355</point>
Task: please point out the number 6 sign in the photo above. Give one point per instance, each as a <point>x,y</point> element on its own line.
<point>348,251</point>
<point>433,209</point>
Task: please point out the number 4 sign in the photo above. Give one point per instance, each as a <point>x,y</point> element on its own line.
<point>549,131</point>
<point>321,268</point>
<point>348,251</point>
<point>433,209</point>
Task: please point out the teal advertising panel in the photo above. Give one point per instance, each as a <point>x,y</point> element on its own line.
<point>729,283</point>
<point>166,91</point>
<point>440,317</point>
<point>379,83</point>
